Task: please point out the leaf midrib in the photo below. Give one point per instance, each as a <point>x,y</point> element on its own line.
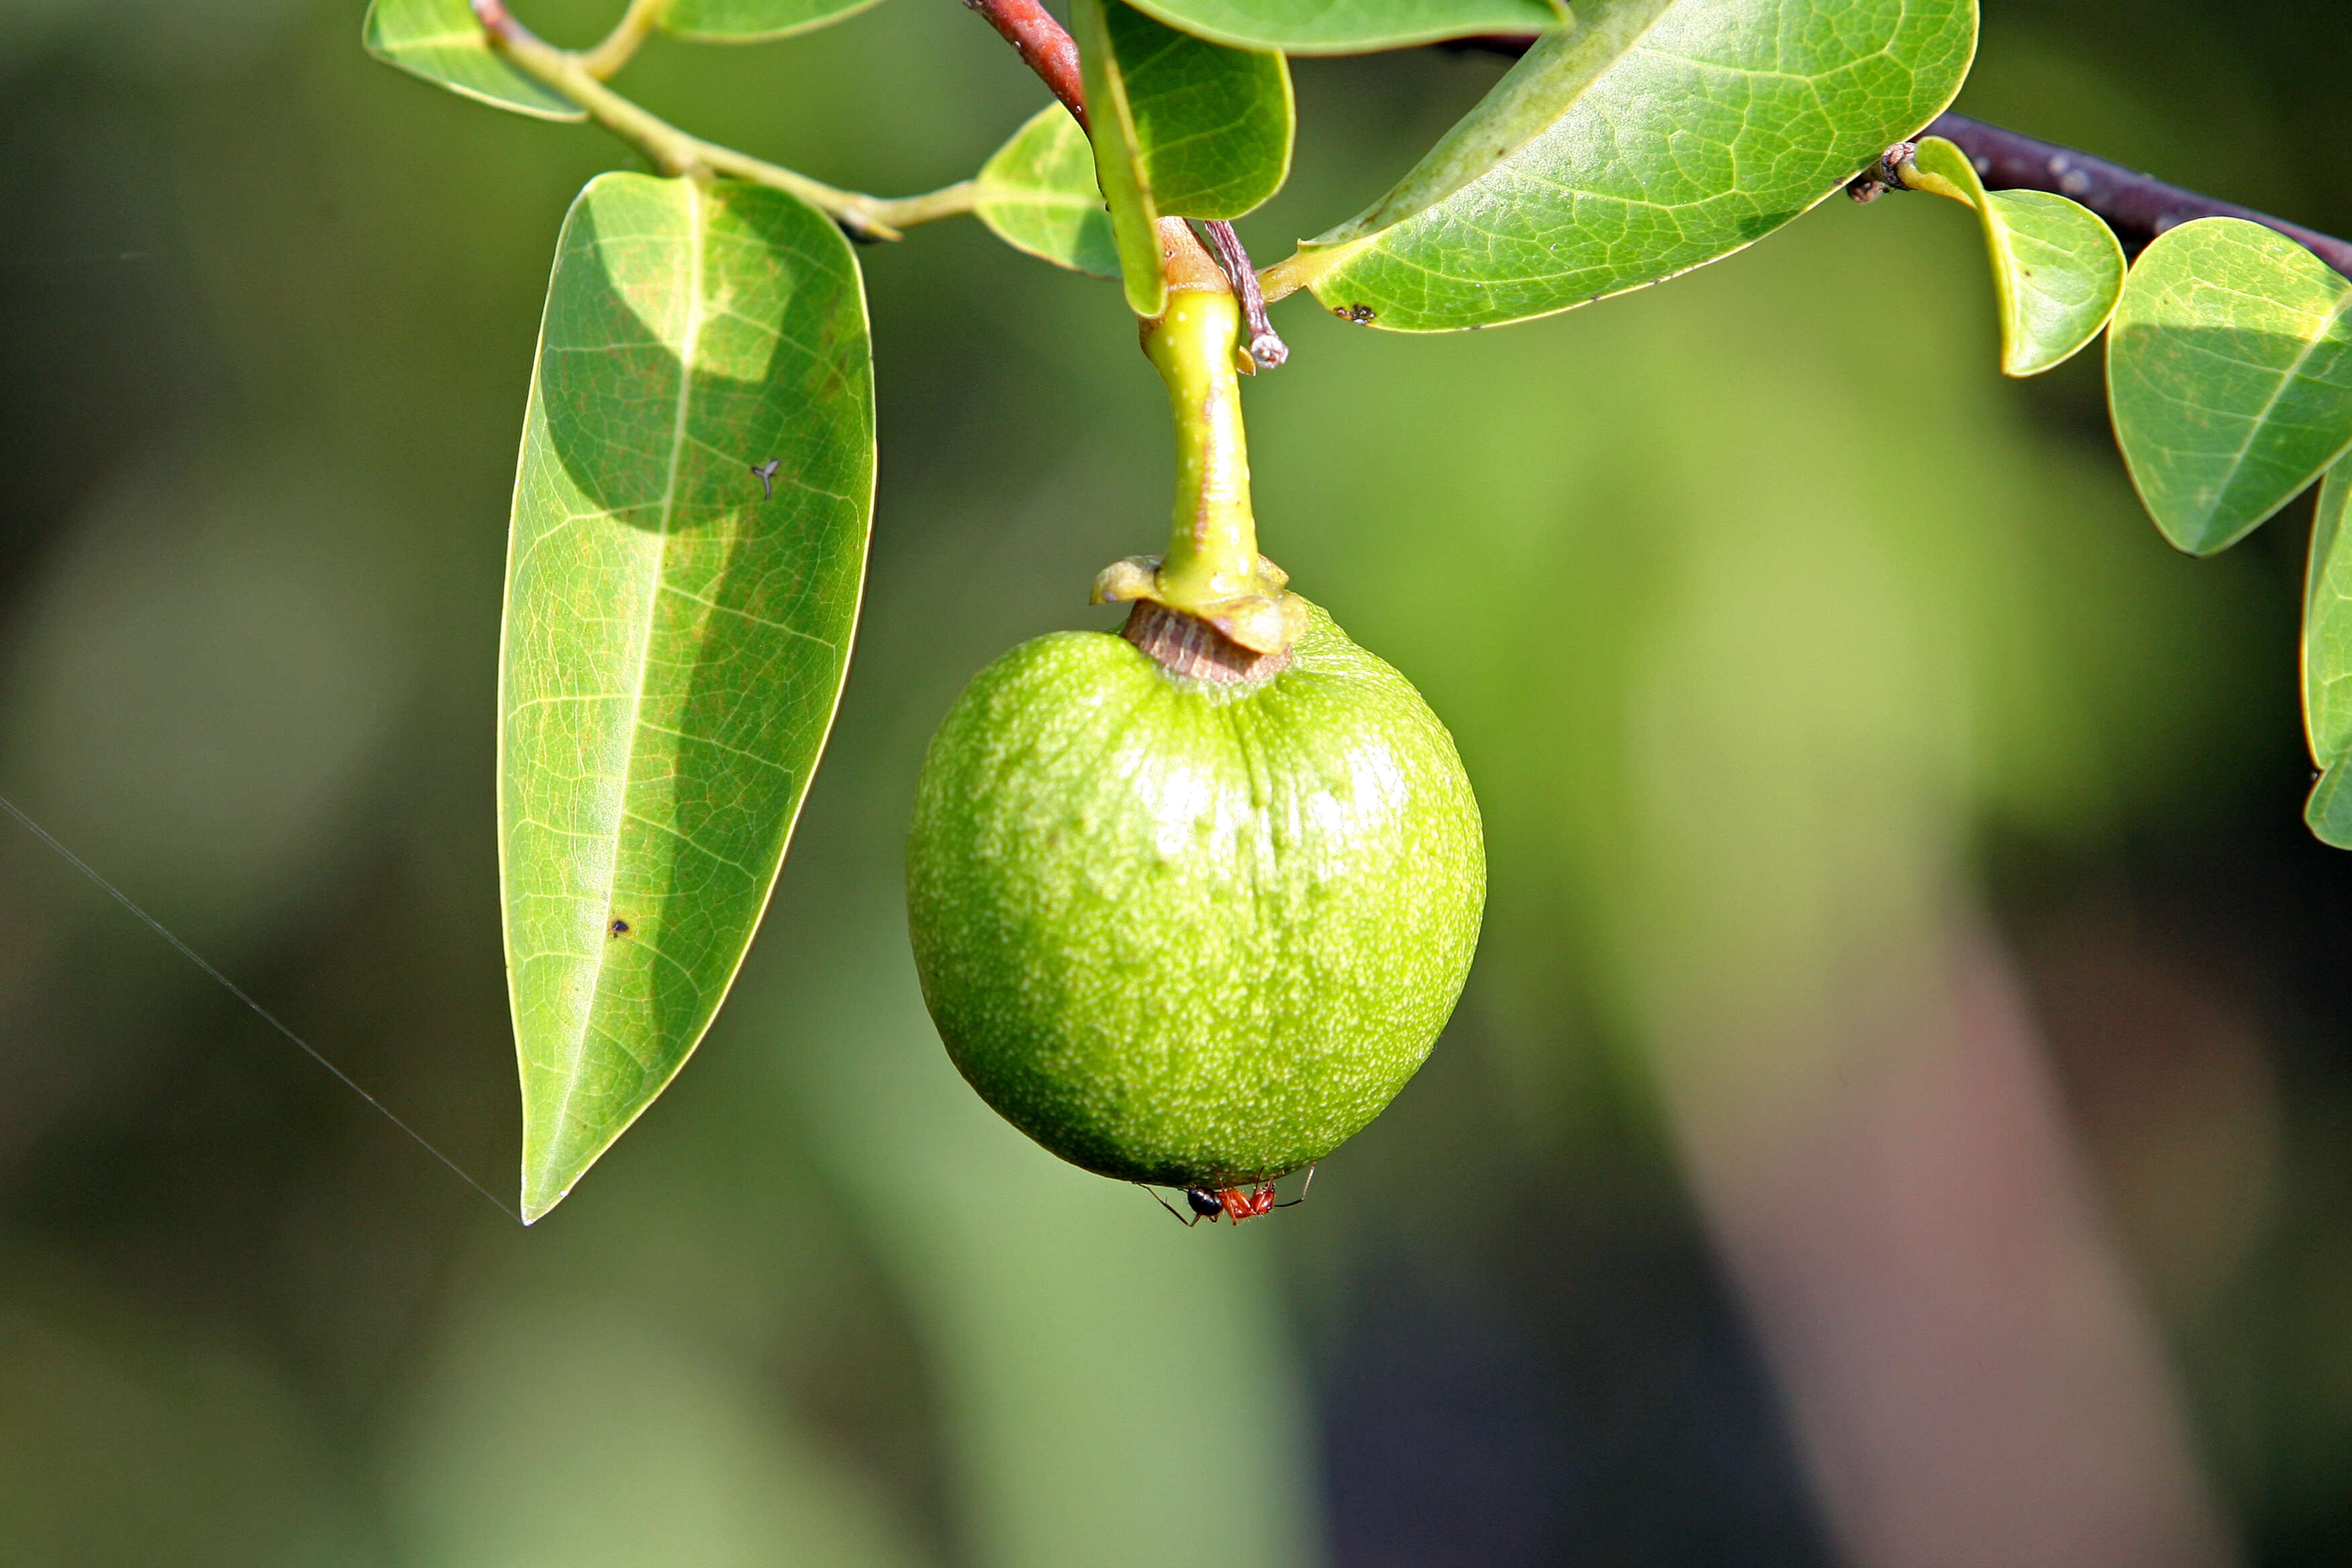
<point>435,41</point>
<point>689,343</point>
<point>2237,462</point>
<point>1340,246</point>
<point>1010,197</point>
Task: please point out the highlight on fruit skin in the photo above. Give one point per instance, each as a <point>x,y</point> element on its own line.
<point>1190,932</point>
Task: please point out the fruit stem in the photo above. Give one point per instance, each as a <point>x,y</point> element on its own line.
<point>1212,544</point>
<point>1213,571</point>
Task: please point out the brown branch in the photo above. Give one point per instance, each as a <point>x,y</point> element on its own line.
<point>1044,47</point>
<point>2136,206</point>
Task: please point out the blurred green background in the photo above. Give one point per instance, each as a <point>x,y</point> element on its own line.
<point>1905,1095</point>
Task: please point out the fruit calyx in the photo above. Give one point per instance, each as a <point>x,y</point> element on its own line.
<point>1260,624</point>
<point>1190,648</point>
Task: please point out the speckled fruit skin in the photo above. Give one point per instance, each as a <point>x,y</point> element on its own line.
<point>1184,933</point>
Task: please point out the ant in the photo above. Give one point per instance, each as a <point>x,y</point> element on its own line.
<point>1234,1203</point>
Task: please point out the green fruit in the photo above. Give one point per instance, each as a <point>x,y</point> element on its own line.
<point>1190,933</point>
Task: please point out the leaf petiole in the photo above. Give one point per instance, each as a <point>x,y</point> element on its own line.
<point>675,151</point>
<point>620,45</point>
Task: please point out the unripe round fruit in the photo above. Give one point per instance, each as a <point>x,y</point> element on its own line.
<point>1190,933</point>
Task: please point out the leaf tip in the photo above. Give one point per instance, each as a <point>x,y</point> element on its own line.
<point>543,1187</point>
<point>2328,813</point>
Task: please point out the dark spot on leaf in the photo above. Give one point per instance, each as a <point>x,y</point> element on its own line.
<point>1359,314</point>
<point>620,928</point>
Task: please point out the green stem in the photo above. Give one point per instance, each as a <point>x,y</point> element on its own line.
<point>1212,547</point>
<point>634,28</point>
<point>1212,573</point>
<point>675,152</point>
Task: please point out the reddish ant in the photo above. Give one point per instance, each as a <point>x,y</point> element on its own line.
<point>1235,1203</point>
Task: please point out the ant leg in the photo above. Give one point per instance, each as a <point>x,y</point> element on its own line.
<point>1303,1188</point>
<point>1163,1203</point>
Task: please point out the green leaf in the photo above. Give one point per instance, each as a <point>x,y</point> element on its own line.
<point>1647,138</point>
<point>2057,267</point>
<point>753,21</point>
<point>2328,660</point>
<point>2230,377</point>
<point>1181,129</point>
<point>2328,813</point>
<point>1213,125</point>
<point>1038,193</point>
<point>675,640</point>
<point>1352,26</point>
<point>441,41</point>
<point>1118,161</point>
<point>2328,623</point>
